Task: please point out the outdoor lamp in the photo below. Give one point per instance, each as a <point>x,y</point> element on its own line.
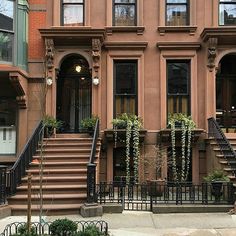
<point>49,81</point>
<point>96,80</point>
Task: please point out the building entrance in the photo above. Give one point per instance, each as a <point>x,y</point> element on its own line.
<point>73,94</point>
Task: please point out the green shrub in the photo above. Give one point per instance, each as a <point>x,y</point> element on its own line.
<point>49,121</point>
<point>216,175</point>
<point>91,230</point>
<point>89,123</point>
<point>61,227</point>
<point>22,231</point>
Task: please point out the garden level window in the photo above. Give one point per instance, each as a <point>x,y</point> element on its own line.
<point>178,87</point>
<point>125,87</point>
<point>177,12</point>
<point>227,12</point>
<point>124,12</point>
<point>73,12</point>
<point>6,30</point>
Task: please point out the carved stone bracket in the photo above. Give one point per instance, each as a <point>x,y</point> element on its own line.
<point>96,55</point>
<point>49,45</point>
<point>19,88</point>
<point>212,52</point>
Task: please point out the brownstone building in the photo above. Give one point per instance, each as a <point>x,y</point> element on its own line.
<point>107,57</point>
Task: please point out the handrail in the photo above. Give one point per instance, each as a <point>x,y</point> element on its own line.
<point>91,168</point>
<point>223,143</point>
<point>15,174</point>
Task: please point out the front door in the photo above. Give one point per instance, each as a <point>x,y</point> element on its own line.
<point>73,102</point>
<point>226,102</point>
<point>74,93</point>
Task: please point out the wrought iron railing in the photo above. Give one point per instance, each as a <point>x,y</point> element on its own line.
<point>91,168</point>
<point>223,143</point>
<point>44,228</point>
<point>15,174</point>
<point>143,196</point>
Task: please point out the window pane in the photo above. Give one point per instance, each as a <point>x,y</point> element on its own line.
<point>6,14</point>
<point>178,73</point>
<point>6,44</point>
<point>176,15</point>
<point>73,1</point>
<point>73,15</point>
<point>124,15</point>
<point>227,14</point>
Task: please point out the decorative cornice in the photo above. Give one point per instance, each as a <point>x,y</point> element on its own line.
<point>178,45</point>
<point>130,45</point>
<point>177,29</point>
<point>125,29</point>
<point>218,32</point>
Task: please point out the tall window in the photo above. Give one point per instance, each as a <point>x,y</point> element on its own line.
<point>178,86</point>
<point>177,12</point>
<point>73,12</point>
<point>125,87</point>
<point>227,12</point>
<point>6,29</point>
<point>124,12</point>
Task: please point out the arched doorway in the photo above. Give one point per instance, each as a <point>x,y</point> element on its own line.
<point>73,93</point>
<point>226,93</point>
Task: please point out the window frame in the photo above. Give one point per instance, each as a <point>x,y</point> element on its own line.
<point>12,33</point>
<point>224,2</point>
<point>188,94</point>
<point>135,62</point>
<point>71,3</point>
<point>114,4</point>
<point>187,4</point>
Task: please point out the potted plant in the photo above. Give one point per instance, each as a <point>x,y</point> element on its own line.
<point>89,123</point>
<point>50,123</point>
<point>186,125</point>
<point>216,178</point>
<point>132,125</point>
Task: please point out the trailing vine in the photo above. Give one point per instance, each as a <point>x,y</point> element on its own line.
<point>132,125</point>
<point>187,126</point>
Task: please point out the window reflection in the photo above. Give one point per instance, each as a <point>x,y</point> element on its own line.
<point>6,14</point>
<point>227,12</point>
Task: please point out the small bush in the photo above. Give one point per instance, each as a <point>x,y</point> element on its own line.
<point>22,231</point>
<point>89,123</point>
<point>91,230</point>
<point>63,227</point>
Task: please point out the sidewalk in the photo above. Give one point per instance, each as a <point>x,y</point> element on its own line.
<point>146,223</point>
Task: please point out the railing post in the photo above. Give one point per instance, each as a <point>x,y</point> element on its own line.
<point>91,183</point>
<point>3,170</point>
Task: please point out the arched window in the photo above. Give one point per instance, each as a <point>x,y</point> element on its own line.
<point>73,12</point>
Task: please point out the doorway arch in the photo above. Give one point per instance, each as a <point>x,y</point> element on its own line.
<point>74,93</point>
<point>226,93</point>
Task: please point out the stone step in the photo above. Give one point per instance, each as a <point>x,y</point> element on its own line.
<point>60,164</point>
<point>59,172</point>
<point>48,209</point>
<point>67,146</point>
<point>67,151</point>
<point>64,157</point>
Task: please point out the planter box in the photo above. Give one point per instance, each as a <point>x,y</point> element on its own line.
<point>121,133</point>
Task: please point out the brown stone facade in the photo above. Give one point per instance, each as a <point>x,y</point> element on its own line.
<point>150,43</point>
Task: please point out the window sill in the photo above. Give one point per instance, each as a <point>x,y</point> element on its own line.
<point>177,29</point>
<point>125,29</point>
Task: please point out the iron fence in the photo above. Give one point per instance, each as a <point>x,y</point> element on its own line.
<point>143,196</point>
<point>44,228</point>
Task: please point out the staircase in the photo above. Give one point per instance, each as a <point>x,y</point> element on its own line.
<point>222,162</point>
<point>64,178</point>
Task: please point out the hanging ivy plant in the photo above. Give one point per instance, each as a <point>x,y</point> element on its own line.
<point>131,124</point>
<point>186,124</point>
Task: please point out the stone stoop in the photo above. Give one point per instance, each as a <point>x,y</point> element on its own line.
<point>64,177</point>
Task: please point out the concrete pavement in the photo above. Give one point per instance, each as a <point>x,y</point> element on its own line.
<point>147,224</point>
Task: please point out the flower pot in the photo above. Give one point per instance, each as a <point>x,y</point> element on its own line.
<point>155,187</point>
<point>216,190</point>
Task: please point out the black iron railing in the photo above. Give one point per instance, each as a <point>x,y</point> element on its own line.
<point>223,143</point>
<point>91,168</point>
<point>44,228</point>
<point>3,194</point>
<point>143,196</point>
<point>15,174</point>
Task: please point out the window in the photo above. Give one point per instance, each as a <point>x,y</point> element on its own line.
<point>125,87</point>
<point>124,12</point>
<point>178,76</point>
<point>6,29</point>
<point>227,12</point>
<point>177,12</point>
<point>73,12</point>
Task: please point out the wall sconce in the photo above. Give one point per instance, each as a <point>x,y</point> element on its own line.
<point>96,80</point>
<point>49,81</point>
